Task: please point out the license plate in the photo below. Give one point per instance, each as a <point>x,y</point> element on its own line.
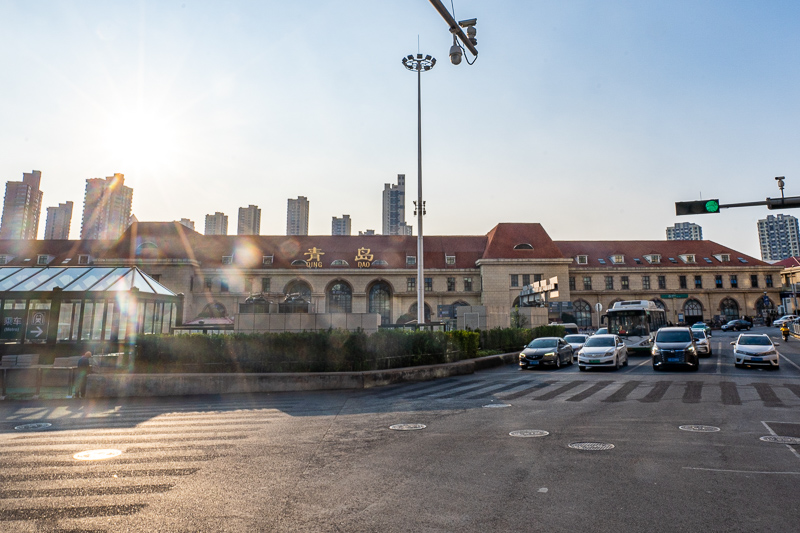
<point>673,359</point>
<point>533,362</point>
<point>757,359</point>
<point>594,360</point>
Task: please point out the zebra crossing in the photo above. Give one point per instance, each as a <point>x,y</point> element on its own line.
<point>41,481</point>
<point>725,392</point>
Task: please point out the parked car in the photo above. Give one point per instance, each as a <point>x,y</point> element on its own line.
<point>577,342</point>
<point>546,351</point>
<point>601,331</point>
<point>675,346</point>
<point>736,325</point>
<point>755,349</point>
<point>702,326</point>
<point>603,351</point>
<point>785,319</point>
<point>702,341</point>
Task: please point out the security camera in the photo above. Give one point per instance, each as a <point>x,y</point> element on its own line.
<point>467,23</point>
<point>455,54</point>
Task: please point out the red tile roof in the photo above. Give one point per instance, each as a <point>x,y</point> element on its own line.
<point>702,250</point>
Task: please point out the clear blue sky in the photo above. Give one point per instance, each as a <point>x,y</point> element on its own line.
<point>590,117</point>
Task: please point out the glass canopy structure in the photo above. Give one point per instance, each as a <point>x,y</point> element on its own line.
<point>71,304</point>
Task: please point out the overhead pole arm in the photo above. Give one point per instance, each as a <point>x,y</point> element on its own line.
<point>455,29</point>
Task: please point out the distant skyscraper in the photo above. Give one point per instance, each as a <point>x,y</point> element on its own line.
<point>778,237</point>
<point>340,226</point>
<point>106,208</point>
<point>216,224</point>
<point>366,232</point>
<point>394,208</point>
<point>22,207</point>
<point>685,231</point>
<point>58,221</point>
<point>297,216</point>
<point>186,222</point>
<point>249,221</point>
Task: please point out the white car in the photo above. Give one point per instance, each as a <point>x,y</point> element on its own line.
<point>702,342</point>
<point>756,350</point>
<point>603,351</point>
<point>784,319</point>
<point>577,342</point>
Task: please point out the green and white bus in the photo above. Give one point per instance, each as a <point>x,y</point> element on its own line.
<point>636,322</point>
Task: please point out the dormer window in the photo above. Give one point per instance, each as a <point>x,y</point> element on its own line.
<point>4,259</point>
<point>84,260</point>
<point>411,260</point>
<point>299,262</point>
<point>652,258</point>
<point>583,259</point>
<point>523,246</point>
<point>449,259</point>
<point>723,258</point>
<point>266,260</point>
<point>42,259</point>
<point>688,258</point>
<point>618,259</point>
<point>227,259</point>
<point>340,263</point>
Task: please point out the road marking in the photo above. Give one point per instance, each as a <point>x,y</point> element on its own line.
<point>789,361</point>
<point>740,471</point>
<point>791,448</point>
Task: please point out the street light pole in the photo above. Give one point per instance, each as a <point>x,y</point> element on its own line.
<point>419,64</point>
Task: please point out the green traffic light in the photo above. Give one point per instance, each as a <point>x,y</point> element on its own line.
<point>712,206</point>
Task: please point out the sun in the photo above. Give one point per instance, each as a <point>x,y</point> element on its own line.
<point>141,141</point>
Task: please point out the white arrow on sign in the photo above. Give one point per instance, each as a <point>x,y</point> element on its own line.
<point>38,331</point>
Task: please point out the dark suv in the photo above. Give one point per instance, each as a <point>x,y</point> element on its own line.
<point>675,346</point>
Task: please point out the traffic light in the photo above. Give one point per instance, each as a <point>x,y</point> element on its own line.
<point>697,207</point>
<point>790,202</point>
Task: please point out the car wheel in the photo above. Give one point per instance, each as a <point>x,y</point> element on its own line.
<point>656,368</point>
<point>737,365</point>
<point>581,368</point>
<point>558,361</point>
<point>616,363</point>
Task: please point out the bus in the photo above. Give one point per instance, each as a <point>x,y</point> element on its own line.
<point>636,322</point>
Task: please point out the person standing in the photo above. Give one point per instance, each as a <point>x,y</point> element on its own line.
<point>84,367</point>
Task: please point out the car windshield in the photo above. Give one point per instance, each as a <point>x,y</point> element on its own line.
<point>575,338</point>
<point>674,336</point>
<point>601,331</point>
<point>699,326</point>
<point>595,342</point>
<point>760,340</point>
<point>698,335</point>
<point>543,343</point>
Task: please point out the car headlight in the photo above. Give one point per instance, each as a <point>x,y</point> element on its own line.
<point>655,350</point>
<point>771,352</point>
<point>550,354</point>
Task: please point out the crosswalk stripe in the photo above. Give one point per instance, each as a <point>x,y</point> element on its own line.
<point>564,388</point>
<point>657,392</point>
<point>622,393</point>
<point>768,395</point>
<point>730,393</point>
<point>600,385</point>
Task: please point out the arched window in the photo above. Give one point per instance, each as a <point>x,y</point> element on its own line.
<point>380,301</point>
<point>692,312</point>
<point>413,311</point>
<point>763,303</point>
<point>583,313</point>
<point>340,298</point>
<point>299,287</point>
<point>213,310</point>
<point>729,309</point>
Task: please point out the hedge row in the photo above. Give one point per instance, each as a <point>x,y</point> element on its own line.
<point>324,351</point>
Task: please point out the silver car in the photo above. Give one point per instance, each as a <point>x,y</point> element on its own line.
<point>603,351</point>
<point>756,350</point>
<point>577,342</point>
<point>702,342</point>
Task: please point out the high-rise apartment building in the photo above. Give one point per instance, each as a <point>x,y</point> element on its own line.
<point>297,216</point>
<point>22,207</point>
<point>58,221</point>
<point>778,237</point>
<point>340,226</point>
<point>685,231</point>
<point>106,208</point>
<point>249,221</point>
<point>394,208</point>
<point>186,222</point>
<point>216,224</point>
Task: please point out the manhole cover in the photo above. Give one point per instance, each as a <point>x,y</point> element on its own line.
<point>96,455</point>
<point>781,440</point>
<point>496,405</point>
<point>40,425</point>
<point>529,433</point>
<point>699,429</point>
<point>407,427</point>
<point>593,446</point>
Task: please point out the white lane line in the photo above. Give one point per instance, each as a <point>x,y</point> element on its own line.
<point>740,471</point>
<point>788,361</point>
<point>648,360</point>
<point>771,432</point>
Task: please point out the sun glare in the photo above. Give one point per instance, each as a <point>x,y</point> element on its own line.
<point>141,141</point>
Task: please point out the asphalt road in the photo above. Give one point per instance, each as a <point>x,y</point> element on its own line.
<point>330,462</point>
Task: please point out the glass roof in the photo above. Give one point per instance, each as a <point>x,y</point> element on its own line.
<point>91,279</point>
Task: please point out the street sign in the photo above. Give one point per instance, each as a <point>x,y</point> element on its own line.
<point>598,307</point>
<point>668,296</point>
<point>36,328</point>
<point>13,323</point>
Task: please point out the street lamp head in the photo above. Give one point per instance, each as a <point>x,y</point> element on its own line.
<point>419,63</point>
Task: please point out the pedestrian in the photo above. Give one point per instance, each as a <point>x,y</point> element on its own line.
<point>84,367</point>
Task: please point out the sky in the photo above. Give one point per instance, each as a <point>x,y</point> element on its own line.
<point>591,118</point>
